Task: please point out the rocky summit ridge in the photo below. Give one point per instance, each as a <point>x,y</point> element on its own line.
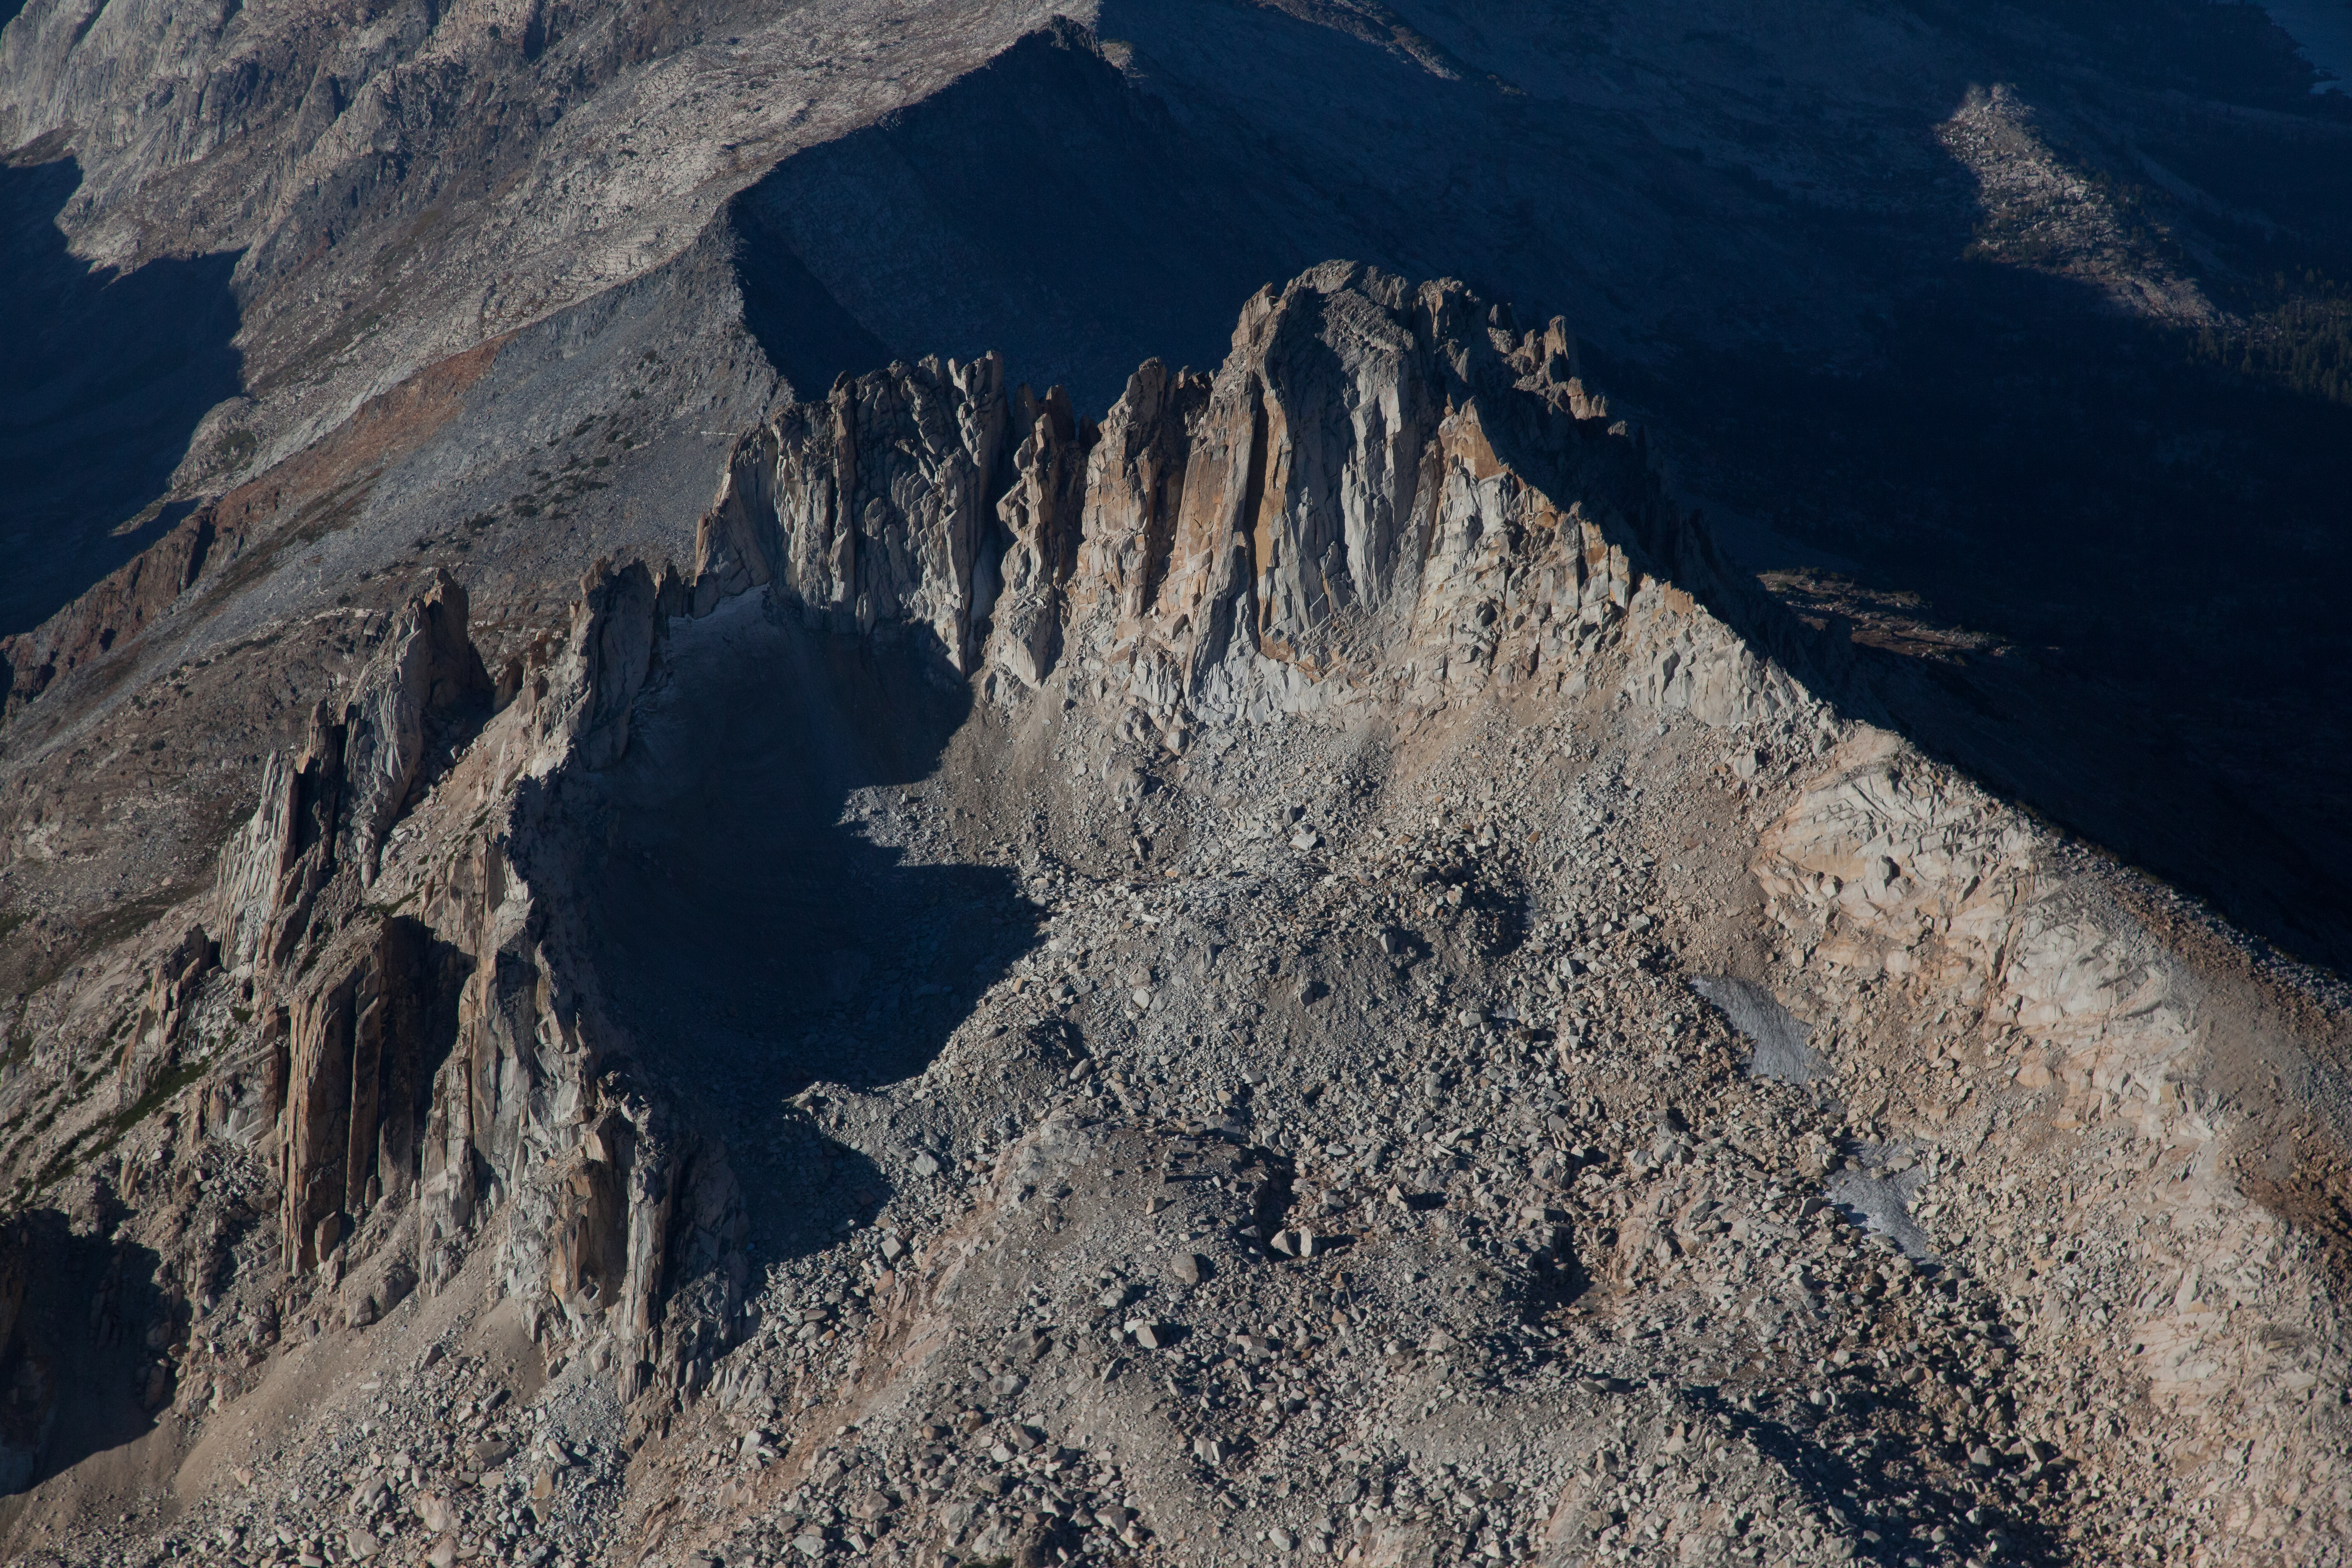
<point>1300,969</point>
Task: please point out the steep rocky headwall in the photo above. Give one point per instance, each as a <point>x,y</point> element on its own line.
<point>330,804</point>
<point>1386,497</point>
<point>1385,492</point>
<point>868,508</point>
<point>444,1064</point>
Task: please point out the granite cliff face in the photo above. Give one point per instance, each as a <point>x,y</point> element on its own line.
<point>442,1068</point>
<point>1340,514</point>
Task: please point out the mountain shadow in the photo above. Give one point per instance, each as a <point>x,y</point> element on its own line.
<point>104,375</point>
<point>752,936</point>
<point>84,1329</point>
<point>2082,565</point>
<point>1040,206</point>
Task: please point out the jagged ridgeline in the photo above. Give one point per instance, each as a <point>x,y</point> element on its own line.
<point>1386,495</point>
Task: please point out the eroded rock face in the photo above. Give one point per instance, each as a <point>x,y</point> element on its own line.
<point>580,709</point>
<point>330,804</point>
<point>1384,490</point>
<point>117,609</point>
<point>153,1044</point>
<point>1043,511</point>
<point>867,508</point>
<point>444,1070</point>
<point>1333,515</point>
<point>272,870</point>
<point>1135,475</point>
<point>363,1053</point>
<point>428,670</point>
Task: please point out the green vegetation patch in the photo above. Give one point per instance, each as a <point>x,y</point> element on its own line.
<point>107,1134</point>
<point>2305,346</point>
<point>132,916</point>
<point>234,450</point>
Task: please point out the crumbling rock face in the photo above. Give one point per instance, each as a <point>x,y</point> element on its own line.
<point>428,670</point>
<point>1135,475</point>
<point>362,1052</point>
<point>330,804</point>
<point>1383,490</point>
<point>117,609</point>
<point>579,708</point>
<point>446,1066</point>
<point>1043,513</point>
<point>244,1092</point>
<point>155,1040</point>
<point>869,507</point>
<point>271,871</point>
<point>1682,662</point>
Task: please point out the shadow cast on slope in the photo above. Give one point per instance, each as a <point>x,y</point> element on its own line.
<point>104,377</point>
<point>2141,549</point>
<point>1042,207</point>
<point>754,937</point>
<point>2092,562</point>
<point>1909,1511</point>
<point>807,336</point>
<point>80,1359</point>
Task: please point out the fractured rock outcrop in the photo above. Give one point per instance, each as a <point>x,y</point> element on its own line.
<point>868,508</point>
<point>1382,486</point>
<point>1911,894</point>
<point>1385,493</point>
<point>1043,511</point>
<point>428,670</point>
<point>120,607</point>
<point>363,1053</point>
<point>271,871</point>
<point>331,803</point>
<point>443,1069</point>
<point>153,1044</point>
